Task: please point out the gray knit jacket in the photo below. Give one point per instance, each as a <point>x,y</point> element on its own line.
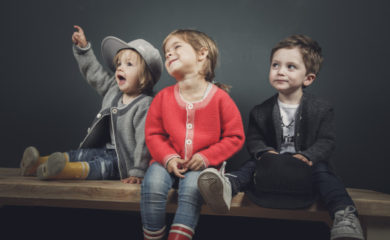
<point>314,128</point>
<point>128,123</point>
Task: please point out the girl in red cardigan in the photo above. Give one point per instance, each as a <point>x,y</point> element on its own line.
<point>190,126</point>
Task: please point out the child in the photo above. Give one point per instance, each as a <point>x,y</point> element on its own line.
<point>190,125</point>
<point>114,147</point>
<point>291,127</point>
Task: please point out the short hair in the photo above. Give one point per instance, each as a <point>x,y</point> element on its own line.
<point>145,77</point>
<point>309,48</point>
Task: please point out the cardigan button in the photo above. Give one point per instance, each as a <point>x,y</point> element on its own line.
<point>188,141</point>
<point>189,126</point>
<point>114,110</point>
<point>190,106</point>
<point>99,115</point>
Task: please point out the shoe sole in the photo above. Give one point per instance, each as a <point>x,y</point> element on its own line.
<point>29,160</point>
<point>54,165</point>
<point>210,186</point>
<point>347,236</point>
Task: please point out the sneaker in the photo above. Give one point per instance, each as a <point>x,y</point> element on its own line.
<point>346,225</point>
<point>215,189</point>
<point>54,165</point>
<point>29,162</point>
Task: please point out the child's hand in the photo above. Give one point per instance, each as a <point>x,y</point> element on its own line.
<point>79,38</point>
<point>196,163</point>
<point>303,159</point>
<point>270,151</point>
<point>173,167</point>
<point>132,180</point>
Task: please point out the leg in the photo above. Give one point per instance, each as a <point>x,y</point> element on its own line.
<point>102,162</point>
<point>189,206</point>
<point>80,164</point>
<point>330,188</point>
<point>341,208</point>
<point>154,192</point>
<point>243,177</point>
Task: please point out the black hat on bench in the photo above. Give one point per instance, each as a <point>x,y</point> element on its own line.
<point>282,181</point>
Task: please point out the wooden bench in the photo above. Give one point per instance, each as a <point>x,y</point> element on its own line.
<point>373,207</point>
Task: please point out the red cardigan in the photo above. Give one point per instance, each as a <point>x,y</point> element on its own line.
<point>175,128</point>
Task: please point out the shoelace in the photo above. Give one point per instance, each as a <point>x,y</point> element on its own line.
<point>347,217</point>
<point>222,169</point>
<point>222,172</point>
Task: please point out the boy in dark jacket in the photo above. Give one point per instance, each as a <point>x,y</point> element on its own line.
<point>290,136</point>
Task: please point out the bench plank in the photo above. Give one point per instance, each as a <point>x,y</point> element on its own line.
<point>114,195</point>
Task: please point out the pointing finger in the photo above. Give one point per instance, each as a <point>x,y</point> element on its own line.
<point>79,29</point>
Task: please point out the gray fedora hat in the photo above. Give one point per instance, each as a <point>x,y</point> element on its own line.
<point>112,45</point>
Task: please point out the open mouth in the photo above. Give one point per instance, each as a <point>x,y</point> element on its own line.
<point>121,79</point>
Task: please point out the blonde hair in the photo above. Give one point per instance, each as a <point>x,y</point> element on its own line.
<point>199,40</point>
<point>145,77</point>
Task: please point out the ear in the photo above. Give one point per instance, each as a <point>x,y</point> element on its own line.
<point>202,54</point>
<point>309,79</point>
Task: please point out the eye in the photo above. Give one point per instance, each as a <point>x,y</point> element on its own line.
<point>129,64</point>
<point>274,65</point>
<point>177,46</point>
<point>291,67</point>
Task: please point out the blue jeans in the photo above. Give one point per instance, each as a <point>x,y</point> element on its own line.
<point>328,186</point>
<point>103,163</point>
<point>154,192</point>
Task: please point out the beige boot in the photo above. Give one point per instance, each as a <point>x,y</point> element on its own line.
<point>31,161</point>
<point>59,167</point>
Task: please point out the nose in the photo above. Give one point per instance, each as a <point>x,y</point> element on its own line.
<point>280,71</point>
<point>168,54</point>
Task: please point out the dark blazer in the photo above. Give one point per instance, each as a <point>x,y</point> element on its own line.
<point>314,130</point>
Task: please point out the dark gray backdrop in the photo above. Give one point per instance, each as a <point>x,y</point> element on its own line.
<point>46,103</point>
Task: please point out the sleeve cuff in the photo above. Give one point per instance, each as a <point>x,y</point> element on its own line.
<point>136,173</point>
<point>169,157</point>
<point>84,49</point>
<point>206,162</point>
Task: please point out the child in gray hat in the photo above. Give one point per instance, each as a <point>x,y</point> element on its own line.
<point>114,147</point>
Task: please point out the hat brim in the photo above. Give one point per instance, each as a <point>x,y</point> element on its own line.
<point>280,201</point>
<point>110,47</point>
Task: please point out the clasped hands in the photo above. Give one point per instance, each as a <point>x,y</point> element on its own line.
<point>179,166</point>
<point>298,156</point>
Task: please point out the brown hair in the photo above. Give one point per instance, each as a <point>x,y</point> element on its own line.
<point>199,40</point>
<point>309,48</point>
<point>145,77</point>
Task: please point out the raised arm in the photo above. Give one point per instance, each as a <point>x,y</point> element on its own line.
<point>89,66</point>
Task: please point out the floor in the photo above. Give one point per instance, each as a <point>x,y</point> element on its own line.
<point>61,223</point>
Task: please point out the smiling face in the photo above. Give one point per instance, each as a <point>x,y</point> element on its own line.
<point>128,71</point>
<point>288,72</point>
<point>180,58</point>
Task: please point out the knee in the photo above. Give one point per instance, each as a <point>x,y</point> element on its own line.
<point>190,193</point>
<point>154,186</point>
